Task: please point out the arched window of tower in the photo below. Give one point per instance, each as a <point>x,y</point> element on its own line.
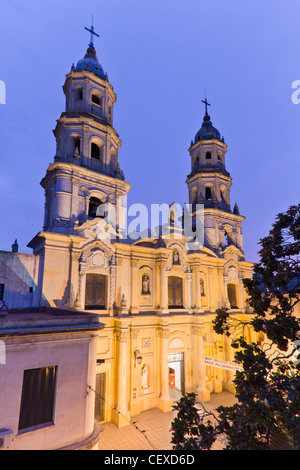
<point>74,146</point>
<point>96,100</point>
<point>77,146</point>
<point>79,93</point>
<point>226,238</point>
<point>78,97</point>
<point>208,155</point>
<point>94,204</point>
<point>208,194</point>
<point>95,151</point>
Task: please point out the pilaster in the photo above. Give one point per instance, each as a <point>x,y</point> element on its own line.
<point>121,414</point>
<point>202,392</point>
<point>162,264</point>
<point>164,401</point>
<point>134,286</point>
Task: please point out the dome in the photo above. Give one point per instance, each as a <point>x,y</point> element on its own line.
<point>90,63</point>
<point>207,131</point>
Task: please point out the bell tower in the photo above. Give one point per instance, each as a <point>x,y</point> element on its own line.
<point>209,184</point>
<point>85,173</point>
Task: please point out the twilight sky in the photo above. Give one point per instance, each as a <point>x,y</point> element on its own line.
<point>160,56</point>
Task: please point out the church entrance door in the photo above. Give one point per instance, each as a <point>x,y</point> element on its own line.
<point>176,375</point>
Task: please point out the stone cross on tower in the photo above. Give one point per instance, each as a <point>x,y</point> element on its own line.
<point>92,34</point>
<point>206,104</point>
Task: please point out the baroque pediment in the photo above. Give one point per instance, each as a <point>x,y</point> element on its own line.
<point>231,252</point>
<point>97,229</point>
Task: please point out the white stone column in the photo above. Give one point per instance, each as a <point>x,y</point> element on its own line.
<point>163,287</point>
<point>189,291</point>
<point>135,373</point>
<point>106,152</point>
<point>194,369</point>
<point>80,298</point>
<point>74,277</point>
<point>229,354</point>
<point>112,287</point>
<point>74,202</point>
<point>86,94</point>
<point>227,304</point>
<point>85,145</point>
<point>164,399</point>
<point>240,291</point>
<point>134,286</point>
<point>202,392</point>
<point>197,290</point>
<point>121,415</point>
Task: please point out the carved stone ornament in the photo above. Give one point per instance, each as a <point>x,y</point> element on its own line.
<point>134,333</point>
<point>163,332</point>
<point>75,255</point>
<point>231,273</point>
<point>197,330</point>
<point>121,336</point>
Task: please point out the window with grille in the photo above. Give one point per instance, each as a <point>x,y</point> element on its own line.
<point>175,292</point>
<point>95,292</point>
<point>38,394</point>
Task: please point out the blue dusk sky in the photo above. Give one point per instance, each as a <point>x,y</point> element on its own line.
<point>160,56</point>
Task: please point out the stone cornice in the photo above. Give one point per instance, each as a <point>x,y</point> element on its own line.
<point>82,172</point>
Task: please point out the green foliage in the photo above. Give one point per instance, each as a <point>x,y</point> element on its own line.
<point>267,413</point>
<point>188,430</point>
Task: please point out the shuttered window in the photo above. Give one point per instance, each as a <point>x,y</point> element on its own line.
<point>38,394</point>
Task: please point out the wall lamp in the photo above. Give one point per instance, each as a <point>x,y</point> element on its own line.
<point>137,357</point>
<point>219,347</point>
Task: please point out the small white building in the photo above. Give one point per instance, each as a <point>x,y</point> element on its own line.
<point>47,378</point>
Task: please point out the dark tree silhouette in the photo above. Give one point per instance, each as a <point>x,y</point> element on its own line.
<point>267,413</point>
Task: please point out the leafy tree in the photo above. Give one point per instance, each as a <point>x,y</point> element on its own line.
<point>267,413</point>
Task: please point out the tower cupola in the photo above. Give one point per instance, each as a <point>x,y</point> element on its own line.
<point>90,63</point>
<point>207,131</point>
<point>209,185</point>
<point>86,172</point>
<point>209,182</point>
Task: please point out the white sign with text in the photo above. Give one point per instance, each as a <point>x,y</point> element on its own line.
<point>213,362</point>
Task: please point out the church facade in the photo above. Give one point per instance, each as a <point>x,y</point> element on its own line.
<point>155,295</point>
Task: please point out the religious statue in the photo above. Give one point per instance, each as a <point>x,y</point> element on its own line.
<point>145,376</point>
<point>176,257</point>
<point>145,285</point>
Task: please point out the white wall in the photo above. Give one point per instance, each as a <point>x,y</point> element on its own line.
<point>74,354</point>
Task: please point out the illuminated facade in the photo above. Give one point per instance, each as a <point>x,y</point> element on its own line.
<point>156,297</point>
